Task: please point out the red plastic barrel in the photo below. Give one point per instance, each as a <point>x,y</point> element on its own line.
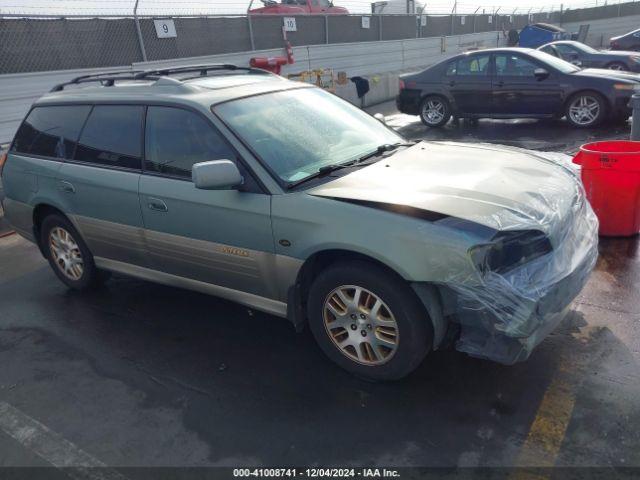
<point>611,178</point>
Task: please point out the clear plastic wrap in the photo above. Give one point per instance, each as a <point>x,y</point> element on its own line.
<point>508,308</point>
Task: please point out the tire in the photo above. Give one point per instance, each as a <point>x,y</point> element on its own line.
<point>58,229</point>
<point>579,119</point>
<point>435,111</point>
<point>401,333</point>
<point>617,66</point>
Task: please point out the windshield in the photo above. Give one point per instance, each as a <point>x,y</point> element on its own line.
<point>296,132</point>
<point>555,62</point>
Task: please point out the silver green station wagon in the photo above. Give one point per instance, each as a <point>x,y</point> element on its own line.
<point>280,196</point>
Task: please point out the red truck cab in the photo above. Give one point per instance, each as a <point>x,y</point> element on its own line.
<point>299,7</point>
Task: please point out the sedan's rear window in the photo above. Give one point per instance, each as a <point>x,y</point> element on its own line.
<point>51,131</point>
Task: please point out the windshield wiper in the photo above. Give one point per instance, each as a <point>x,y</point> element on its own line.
<point>327,169</point>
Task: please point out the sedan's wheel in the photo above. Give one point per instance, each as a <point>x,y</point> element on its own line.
<point>435,111</point>
<point>368,321</point>
<point>617,66</point>
<point>68,255</point>
<point>585,110</point>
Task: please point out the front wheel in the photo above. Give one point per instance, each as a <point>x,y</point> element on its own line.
<point>585,110</point>
<point>368,321</point>
<point>435,111</point>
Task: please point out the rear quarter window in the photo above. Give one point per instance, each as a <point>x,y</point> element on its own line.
<point>51,131</point>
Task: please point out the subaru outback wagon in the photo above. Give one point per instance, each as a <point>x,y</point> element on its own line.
<point>283,197</point>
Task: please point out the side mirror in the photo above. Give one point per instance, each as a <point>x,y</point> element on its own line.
<point>380,118</point>
<point>216,175</point>
<point>540,73</point>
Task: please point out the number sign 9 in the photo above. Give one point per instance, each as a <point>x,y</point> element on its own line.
<point>165,28</point>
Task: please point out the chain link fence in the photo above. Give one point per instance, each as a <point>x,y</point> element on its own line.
<point>43,43</point>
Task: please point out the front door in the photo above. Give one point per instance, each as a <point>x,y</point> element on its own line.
<point>517,91</point>
<point>99,185</point>
<point>469,81</point>
<point>222,237</point>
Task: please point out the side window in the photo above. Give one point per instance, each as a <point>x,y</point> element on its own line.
<point>451,69</point>
<point>112,136</point>
<point>176,139</point>
<point>51,131</point>
<point>514,66</point>
<point>473,65</point>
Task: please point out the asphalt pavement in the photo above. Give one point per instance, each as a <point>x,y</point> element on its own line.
<point>138,374</point>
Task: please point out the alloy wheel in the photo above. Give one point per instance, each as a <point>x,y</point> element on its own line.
<point>360,325</point>
<point>617,66</point>
<point>66,253</point>
<point>584,110</point>
<point>433,111</point>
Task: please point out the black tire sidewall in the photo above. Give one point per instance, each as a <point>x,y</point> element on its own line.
<point>601,116</point>
<point>447,115</point>
<point>90,274</point>
<point>414,326</point>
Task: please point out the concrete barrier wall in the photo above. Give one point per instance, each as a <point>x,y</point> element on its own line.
<point>600,31</point>
<point>380,61</point>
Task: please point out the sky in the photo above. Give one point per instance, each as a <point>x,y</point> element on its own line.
<point>212,7</point>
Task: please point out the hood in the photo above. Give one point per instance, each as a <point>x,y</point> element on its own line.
<point>502,188</point>
<point>610,74</point>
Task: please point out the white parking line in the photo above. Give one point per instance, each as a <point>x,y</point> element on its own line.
<point>52,447</point>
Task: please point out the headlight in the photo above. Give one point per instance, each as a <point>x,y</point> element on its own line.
<point>509,250</point>
<point>635,59</point>
<point>624,86</point>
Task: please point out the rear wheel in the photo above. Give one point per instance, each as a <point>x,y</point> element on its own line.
<point>435,111</point>
<point>68,255</point>
<point>585,109</point>
<point>368,321</point>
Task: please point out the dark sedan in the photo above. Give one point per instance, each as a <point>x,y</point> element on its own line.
<point>628,41</point>
<point>584,56</point>
<point>515,83</point>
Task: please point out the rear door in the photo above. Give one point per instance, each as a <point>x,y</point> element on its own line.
<point>99,185</point>
<point>469,82</point>
<point>46,138</point>
<point>517,91</point>
<point>222,237</point>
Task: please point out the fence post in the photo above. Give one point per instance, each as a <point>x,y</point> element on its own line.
<point>326,29</point>
<point>139,32</point>
<point>379,27</point>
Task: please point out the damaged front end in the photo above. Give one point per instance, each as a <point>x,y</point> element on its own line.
<point>527,278</point>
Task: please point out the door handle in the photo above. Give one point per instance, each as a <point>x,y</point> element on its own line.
<point>157,205</point>
<point>66,187</point>
<point>500,83</point>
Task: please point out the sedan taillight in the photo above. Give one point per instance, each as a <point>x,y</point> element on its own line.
<point>401,85</point>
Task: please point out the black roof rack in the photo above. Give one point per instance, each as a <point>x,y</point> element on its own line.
<point>108,79</point>
<point>202,69</point>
